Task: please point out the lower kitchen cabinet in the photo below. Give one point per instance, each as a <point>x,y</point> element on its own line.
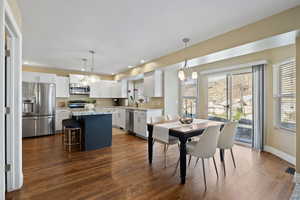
<point>141,118</point>
<point>61,115</point>
<point>120,118</point>
<point>140,123</point>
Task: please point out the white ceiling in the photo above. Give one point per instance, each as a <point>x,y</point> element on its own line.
<point>59,33</point>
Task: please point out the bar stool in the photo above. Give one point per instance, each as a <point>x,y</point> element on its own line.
<point>71,134</point>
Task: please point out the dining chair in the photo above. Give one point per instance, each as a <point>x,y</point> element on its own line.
<point>158,119</point>
<point>173,117</point>
<point>172,140</point>
<point>226,140</point>
<point>204,148</point>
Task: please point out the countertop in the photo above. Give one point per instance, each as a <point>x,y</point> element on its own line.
<point>133,108</point>
<point>84,113</point>
<point>104,108</point>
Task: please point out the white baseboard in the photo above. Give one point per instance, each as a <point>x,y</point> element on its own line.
<point>282,155</point>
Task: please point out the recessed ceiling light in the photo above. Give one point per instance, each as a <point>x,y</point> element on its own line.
<point>112,73</point>
<point>82,69</point>
<point>130,66</point>
<point>25,62</point>
<point>143,61</point>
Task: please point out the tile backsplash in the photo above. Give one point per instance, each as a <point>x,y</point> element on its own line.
<point>63,102</point>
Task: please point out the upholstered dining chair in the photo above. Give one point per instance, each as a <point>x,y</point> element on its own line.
<point>172,140</point>
<point>226,140</point>
<point>173,117</point>
<point>204,148</point>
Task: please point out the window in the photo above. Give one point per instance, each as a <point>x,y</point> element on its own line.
<point>217,97</point>
<point>285,95</point>
<point>189,91</point>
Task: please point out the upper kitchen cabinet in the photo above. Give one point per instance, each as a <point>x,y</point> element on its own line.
<point>102,89</point>
<point>120,89</point>
<point>62,86</point>
<point>153,84</point>
<point>76,78</point>
<point>108,89</point>
<point>38,77</point>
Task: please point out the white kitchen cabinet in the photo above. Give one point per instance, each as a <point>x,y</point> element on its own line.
<point>123,89</point>
<point>47,78</point>
<point>141,118</point>
<point>119,89</point>
<point>61,115</point>
<point>140,123</point>
<point>30,76</point>
<point>101,89</point>
<point>95,89</point>
<point>115,90</point>
<point>106,88</point>
<point>120,118</point>
<point>38,77</point>
<point>62,86</point>
<point>153,82</point>
<point>76,78</point>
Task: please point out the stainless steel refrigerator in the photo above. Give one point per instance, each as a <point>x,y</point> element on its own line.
<point>38,109</point>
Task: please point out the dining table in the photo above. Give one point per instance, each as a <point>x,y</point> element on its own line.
<point>184,133</point>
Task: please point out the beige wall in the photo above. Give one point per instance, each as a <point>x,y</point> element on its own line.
<point>154,102</point>
<point>63,72</point>
<point>275,138</point>
<point>298,102</point>
<point>271,26</point>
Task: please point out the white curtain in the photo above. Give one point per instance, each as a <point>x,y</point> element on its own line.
<point>258,106</point>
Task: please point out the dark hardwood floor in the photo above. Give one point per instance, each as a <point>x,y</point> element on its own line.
<point>122,172</point>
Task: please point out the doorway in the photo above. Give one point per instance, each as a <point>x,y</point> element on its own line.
<point>11,176</point>
<point>230,99</point>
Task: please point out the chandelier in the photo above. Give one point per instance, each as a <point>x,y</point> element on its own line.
<point>185,71</point>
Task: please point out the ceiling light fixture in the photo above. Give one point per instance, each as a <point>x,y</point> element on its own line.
<point>130,66</point>
<point>143,61</point>
<point>186,70</point>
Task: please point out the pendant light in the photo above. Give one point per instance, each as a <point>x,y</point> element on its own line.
<point>185,70</point>
<point>84,81</point>
<point>93,79</point>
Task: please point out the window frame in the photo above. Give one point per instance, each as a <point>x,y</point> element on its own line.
<point>277,96</point>
<point>182,98</point>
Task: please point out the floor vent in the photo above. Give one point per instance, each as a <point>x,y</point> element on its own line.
<point>290,170</point>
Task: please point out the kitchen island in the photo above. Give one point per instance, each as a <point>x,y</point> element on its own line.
<point>96,128</point>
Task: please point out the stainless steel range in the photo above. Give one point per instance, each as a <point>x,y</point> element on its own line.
<point>38,109</point>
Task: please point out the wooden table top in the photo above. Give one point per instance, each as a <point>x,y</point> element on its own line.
<point>186,128</point>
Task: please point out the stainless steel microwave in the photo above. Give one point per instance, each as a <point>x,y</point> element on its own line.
<point>79,89</point>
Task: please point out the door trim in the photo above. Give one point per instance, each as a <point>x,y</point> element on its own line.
<point>14,141</point>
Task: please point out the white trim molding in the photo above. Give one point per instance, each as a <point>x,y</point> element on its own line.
<point>233,67</point>
<point>280,154</point>
<point>14,178</point>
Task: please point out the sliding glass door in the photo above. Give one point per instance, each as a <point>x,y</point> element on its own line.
<point>218,104</point>
<point>230,99</point>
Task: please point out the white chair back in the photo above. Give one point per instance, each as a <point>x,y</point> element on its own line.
<point>207,144</point>
<point>157,119</point>
<point>173,117</point>
<point>226,139</point>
